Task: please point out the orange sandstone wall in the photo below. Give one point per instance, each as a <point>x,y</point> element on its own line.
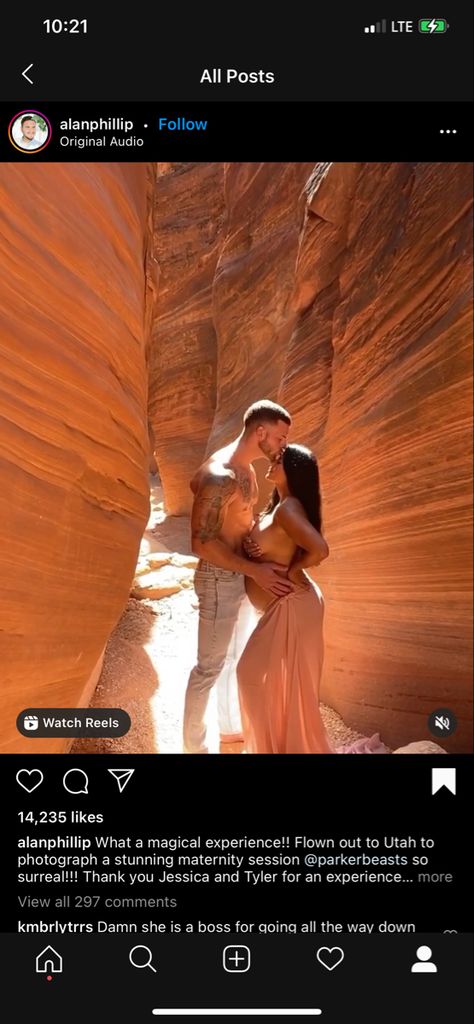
<point>343,291</point>
<point>189,228</point>
<point>74,322</point>
<point>387,344</point>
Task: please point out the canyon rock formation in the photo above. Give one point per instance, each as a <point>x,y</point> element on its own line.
<point>74,313</point>
<point>343,291</point>
<point>189,228</point>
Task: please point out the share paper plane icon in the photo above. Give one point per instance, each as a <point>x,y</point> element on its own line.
<point>122,776</point>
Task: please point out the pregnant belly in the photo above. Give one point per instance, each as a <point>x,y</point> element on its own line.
<point>258,597</point>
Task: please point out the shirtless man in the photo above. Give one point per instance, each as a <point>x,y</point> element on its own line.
<point>225,492</point>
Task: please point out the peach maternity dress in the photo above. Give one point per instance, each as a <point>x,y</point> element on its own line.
<point>279,674</point>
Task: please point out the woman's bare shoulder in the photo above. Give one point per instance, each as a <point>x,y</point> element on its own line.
<point>289,508</point>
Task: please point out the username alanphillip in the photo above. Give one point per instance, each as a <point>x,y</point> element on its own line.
<point>103,125</point>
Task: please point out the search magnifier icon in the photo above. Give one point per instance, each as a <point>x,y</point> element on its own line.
<point>139,953</point>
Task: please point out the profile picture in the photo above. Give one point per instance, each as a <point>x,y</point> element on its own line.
<point>29,131</point>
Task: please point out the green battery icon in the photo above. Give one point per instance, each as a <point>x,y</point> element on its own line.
<point>431,25</point>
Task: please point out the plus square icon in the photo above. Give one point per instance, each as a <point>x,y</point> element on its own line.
<point>236,959</point>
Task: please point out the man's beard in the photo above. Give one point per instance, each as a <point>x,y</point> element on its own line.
<point>267,450</point>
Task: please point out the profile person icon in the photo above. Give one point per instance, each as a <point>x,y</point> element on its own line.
<point>423,963</point>
<point>29,131</point>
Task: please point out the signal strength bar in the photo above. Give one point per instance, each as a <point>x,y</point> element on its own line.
<point>380,26</point>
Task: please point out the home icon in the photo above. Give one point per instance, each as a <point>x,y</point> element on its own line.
<point>48,961</point>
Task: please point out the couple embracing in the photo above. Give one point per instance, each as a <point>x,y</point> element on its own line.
<point>273,708</point>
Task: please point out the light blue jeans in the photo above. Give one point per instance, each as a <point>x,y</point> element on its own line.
<point>225,623</point>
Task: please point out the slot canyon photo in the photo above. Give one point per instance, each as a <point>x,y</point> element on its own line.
<point>143,308</point>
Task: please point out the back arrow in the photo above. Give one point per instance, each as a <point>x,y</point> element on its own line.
<point>24,74</point>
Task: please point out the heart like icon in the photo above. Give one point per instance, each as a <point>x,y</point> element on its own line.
<point>29,779</point>
<point>330,958</point>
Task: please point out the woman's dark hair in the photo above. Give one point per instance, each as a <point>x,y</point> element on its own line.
<point>302,474</point>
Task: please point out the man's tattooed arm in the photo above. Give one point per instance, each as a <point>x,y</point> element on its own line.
<point>215,494</point>
<point>210,506</point>
<point>211,503</point>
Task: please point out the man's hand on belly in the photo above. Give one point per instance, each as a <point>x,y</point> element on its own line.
<point>271,576</point>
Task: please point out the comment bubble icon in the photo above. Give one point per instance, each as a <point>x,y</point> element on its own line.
<point>76,781</point>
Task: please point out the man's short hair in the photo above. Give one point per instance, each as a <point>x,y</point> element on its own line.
<point>265,412</point>
<point>27,117</point>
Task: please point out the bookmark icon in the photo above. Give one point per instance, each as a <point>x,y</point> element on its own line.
<point>443,777</point>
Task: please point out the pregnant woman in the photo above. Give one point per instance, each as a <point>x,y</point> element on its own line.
<point>280,669</point>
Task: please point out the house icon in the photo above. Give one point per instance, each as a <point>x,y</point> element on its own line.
<point>48,961</point>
